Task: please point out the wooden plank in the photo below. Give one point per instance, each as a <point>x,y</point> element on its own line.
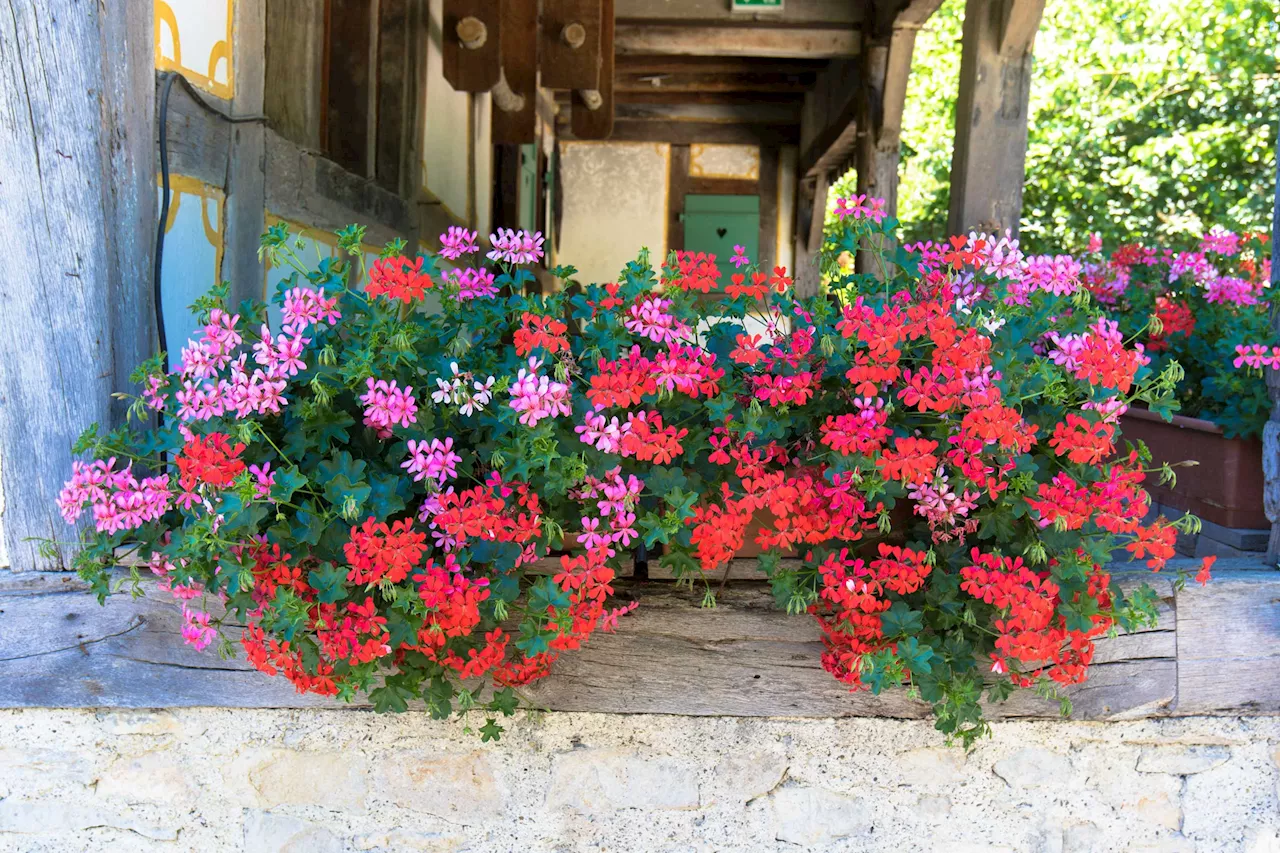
<point>714,65</point>
<point>793,13</point>
<point>245,217</point>
<point>743,658</point>
<point>750,113</point>
<point>393,116</point>
<point>295,52</point>
<point>706,83</point>
<point>679,40</point>
<point>768,190</point>
<point>594,119</point>
<point>989,159</point>
<point>350,83</point>
<point>304,187</point>
<point>793,100</point>
<point>1229,644</point>
<point>688,132</point>
<point>77,124</point>
<point>677,189</point>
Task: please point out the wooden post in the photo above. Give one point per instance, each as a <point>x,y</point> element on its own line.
<point>246,188</point>
<point>1271,432</point>
<point>77,92</point>
<point>810,213</point>
<point>886,65</point>
<point>988,164</point>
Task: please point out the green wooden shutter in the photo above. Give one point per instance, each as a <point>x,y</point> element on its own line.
<point>717,223</point>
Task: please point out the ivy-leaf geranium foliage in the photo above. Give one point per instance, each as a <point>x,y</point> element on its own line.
<point>1208,309</point>
<point>373,478</point>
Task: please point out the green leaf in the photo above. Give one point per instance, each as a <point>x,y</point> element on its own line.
<point>490,731</point>
<point>329,582</point>
<point>900,620</point>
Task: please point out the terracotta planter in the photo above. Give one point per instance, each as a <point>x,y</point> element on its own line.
<point>1225,488</point>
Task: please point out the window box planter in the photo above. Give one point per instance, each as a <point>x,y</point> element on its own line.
<point>1225,488</point>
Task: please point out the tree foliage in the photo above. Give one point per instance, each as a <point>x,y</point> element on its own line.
<point>1150,120</point>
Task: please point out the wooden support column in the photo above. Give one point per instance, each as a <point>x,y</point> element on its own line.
<point>77,113</point>
<point>246,187</point>
<point>810,212</point>
<point>1271,432</point>
<point>988,164</point>
<point>886,65</point>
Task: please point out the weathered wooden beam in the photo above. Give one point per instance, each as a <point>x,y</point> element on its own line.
<point>715,65</point>
<point>304,187</point>
<point>677,40</point>
<point>688,132</point>
<point>829,124</point>
<point>592,112</point>
<point>741,99</point>
<point>988,163</point>
<point>710,83</point>
<point>78,197</point>
<point>58,648</point>
<point>244,177</point>
<point>811,207</point>
<point>794,13</point>
<point>787,113</point>
<point>295,52</point>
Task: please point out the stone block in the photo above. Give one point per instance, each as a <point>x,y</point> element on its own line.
<point>460,787</point>
<point>159,776</point>
<point>1034,767</point>
<point>333,780</point>
<point>931,766</point>
<point>1182,759</point>
<point>275,833</point>
<point>47,817</point>
<point>398,839</point>
<point>933,807</point>
<point>813,817</point>
<point>1160,810</point>
<point>26,771</point>
<point>741,777</point>
<point>594,781</point>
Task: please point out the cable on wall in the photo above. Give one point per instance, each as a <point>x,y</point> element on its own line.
<point>168,78</point>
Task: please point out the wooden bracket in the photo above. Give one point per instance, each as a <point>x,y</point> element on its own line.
<point>592,115</point>
<point>570,44</point>
<point>515,94</point>
<point>471,44</point>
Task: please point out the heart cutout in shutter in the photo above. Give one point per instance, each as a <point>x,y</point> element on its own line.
<point>722,232</point>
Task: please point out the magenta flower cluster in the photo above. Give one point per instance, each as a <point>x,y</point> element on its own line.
<point>120,501</point>
<point>386,405</point>
<point>536,396</point>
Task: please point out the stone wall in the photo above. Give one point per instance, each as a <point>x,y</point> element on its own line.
<point>320,781</point>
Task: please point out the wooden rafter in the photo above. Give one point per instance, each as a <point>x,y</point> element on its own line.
<point>683,40</point>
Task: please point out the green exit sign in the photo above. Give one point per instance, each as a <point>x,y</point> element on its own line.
<point>755,5</point>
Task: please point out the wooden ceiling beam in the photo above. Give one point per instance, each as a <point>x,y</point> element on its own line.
<point>795,99</point>
<point>753,113</point>
<point>795,12</point>
<point>647,63</point>
<point>748,41</point>
<point>701,83</point>
<point>689,132</point>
